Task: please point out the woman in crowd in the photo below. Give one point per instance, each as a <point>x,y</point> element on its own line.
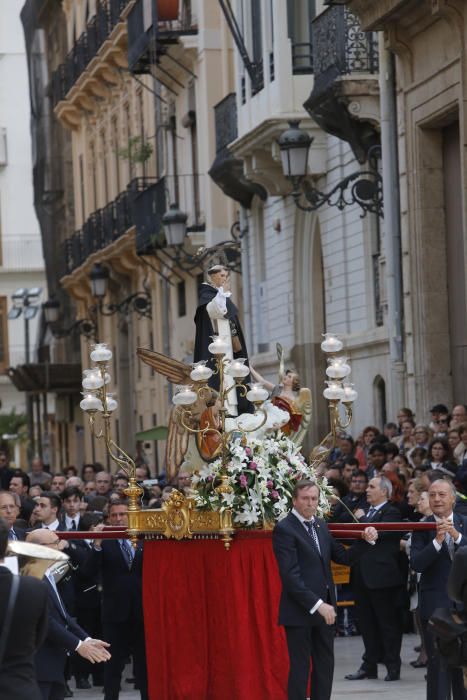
<point>414,491</point>
<point>460,452</point>
<point>453,440</point>
<point>439,457</point>
<point>88,472</point>
<point>406,441</point>
<point>403,466</point>
<point>404,414</point>
<point>368,435</point>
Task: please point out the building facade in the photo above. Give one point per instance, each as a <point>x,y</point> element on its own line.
<point>427,42</point>
<point>21,259</point>
<point>178,106</point>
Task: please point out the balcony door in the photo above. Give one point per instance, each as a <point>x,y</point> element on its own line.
<point>300,14</point>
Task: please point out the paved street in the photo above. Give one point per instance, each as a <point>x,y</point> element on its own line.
<point>348,652</point>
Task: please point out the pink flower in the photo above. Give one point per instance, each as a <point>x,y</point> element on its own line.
<point>243,481</point>
<point>209,478</point>
<point>247,451</point>
<point>275,495</point>
<point>269,484</point>
<point>253,466</point>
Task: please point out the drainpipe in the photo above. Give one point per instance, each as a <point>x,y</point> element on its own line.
<point>392,223</point>
<point>246,283</point>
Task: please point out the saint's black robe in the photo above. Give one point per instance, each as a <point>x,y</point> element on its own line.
<point>204,331</point>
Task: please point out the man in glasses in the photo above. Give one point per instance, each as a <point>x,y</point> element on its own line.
<point>64,635</point>
<point>354,501</point>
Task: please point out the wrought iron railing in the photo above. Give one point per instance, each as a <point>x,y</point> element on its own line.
<point>143,40</point>
<point>225,117</point>
<point>86,46</point>
<point>148,208</point>
<point>340,45</point>
<point>104,226</point>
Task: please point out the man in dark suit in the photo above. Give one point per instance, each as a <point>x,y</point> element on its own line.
<point>431,555</point>
<point>9,510</point>
<point>353,501</point>
<point>64,635</point>
<point>378,582</point>
<point>304,548</point>
<point>120,568</point>
<point>27,630</point>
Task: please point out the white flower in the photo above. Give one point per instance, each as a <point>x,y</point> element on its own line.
<point>248,516</point>
<point>228,499</point>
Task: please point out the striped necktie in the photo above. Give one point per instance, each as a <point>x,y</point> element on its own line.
<point>371,513</point>
<point>12,534</point>
<point>127,551</point>
<point>310,526</point>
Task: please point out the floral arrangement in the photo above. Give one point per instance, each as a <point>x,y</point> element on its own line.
<point>262,475</point>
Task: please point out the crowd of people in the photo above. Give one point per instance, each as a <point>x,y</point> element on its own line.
<point>101,590</point>
<point>407,471</point>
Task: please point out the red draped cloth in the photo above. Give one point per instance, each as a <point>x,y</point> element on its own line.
<point>211,620</point>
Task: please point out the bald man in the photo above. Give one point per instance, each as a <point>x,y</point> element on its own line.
<point>64,635</point>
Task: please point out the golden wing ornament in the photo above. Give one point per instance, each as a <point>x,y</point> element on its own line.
<point>173,370</point>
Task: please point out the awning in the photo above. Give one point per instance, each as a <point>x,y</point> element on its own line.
<point>160,432</point>
<point>42,377</point>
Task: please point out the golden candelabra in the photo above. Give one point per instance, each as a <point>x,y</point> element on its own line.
<point>98,401</point>
<point>339,393</point>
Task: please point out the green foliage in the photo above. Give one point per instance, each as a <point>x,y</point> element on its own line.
<point>13,424</point>
<point>137,151</point>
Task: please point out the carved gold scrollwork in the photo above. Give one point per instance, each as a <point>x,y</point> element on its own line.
<point>178,519</point>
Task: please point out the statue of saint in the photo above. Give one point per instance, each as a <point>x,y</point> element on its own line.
<point>216,314</point>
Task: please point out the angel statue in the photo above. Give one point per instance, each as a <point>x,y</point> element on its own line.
<point>192,451</point>
<point>288,396</point>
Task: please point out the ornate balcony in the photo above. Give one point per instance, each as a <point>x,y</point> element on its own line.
<point>103,227</point>
<point>344,100</point>
<point>148,208</point>
<point>95,54</point>
<point>227,171</point>
<point>149,41</point>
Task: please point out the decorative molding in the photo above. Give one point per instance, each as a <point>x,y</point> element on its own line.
<point>178,519</point>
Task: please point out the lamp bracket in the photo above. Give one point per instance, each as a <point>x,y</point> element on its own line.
<point>139,302</point>
<point>362,187</point>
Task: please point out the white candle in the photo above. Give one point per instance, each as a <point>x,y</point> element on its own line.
<point>334,391</point>
<point>110,404</point>
<point>184,396</point>
<point>218,346</point>
<point>338,368</point>
<point>91,403</point>
<point>331,343</point>
<point>101,353</point>
<point>257,393</point>
<point>350,395</point>
<point>92,379</point>
<point>200,373</point>
<point>237,368</point>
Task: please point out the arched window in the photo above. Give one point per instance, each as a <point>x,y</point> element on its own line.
<point>379,401</point>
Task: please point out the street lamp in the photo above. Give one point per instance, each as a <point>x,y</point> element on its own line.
<point>362,187</point>
<point>139,302</point>
<point>51,311</point>
<point>25,301</point>
<point>175,225</point>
